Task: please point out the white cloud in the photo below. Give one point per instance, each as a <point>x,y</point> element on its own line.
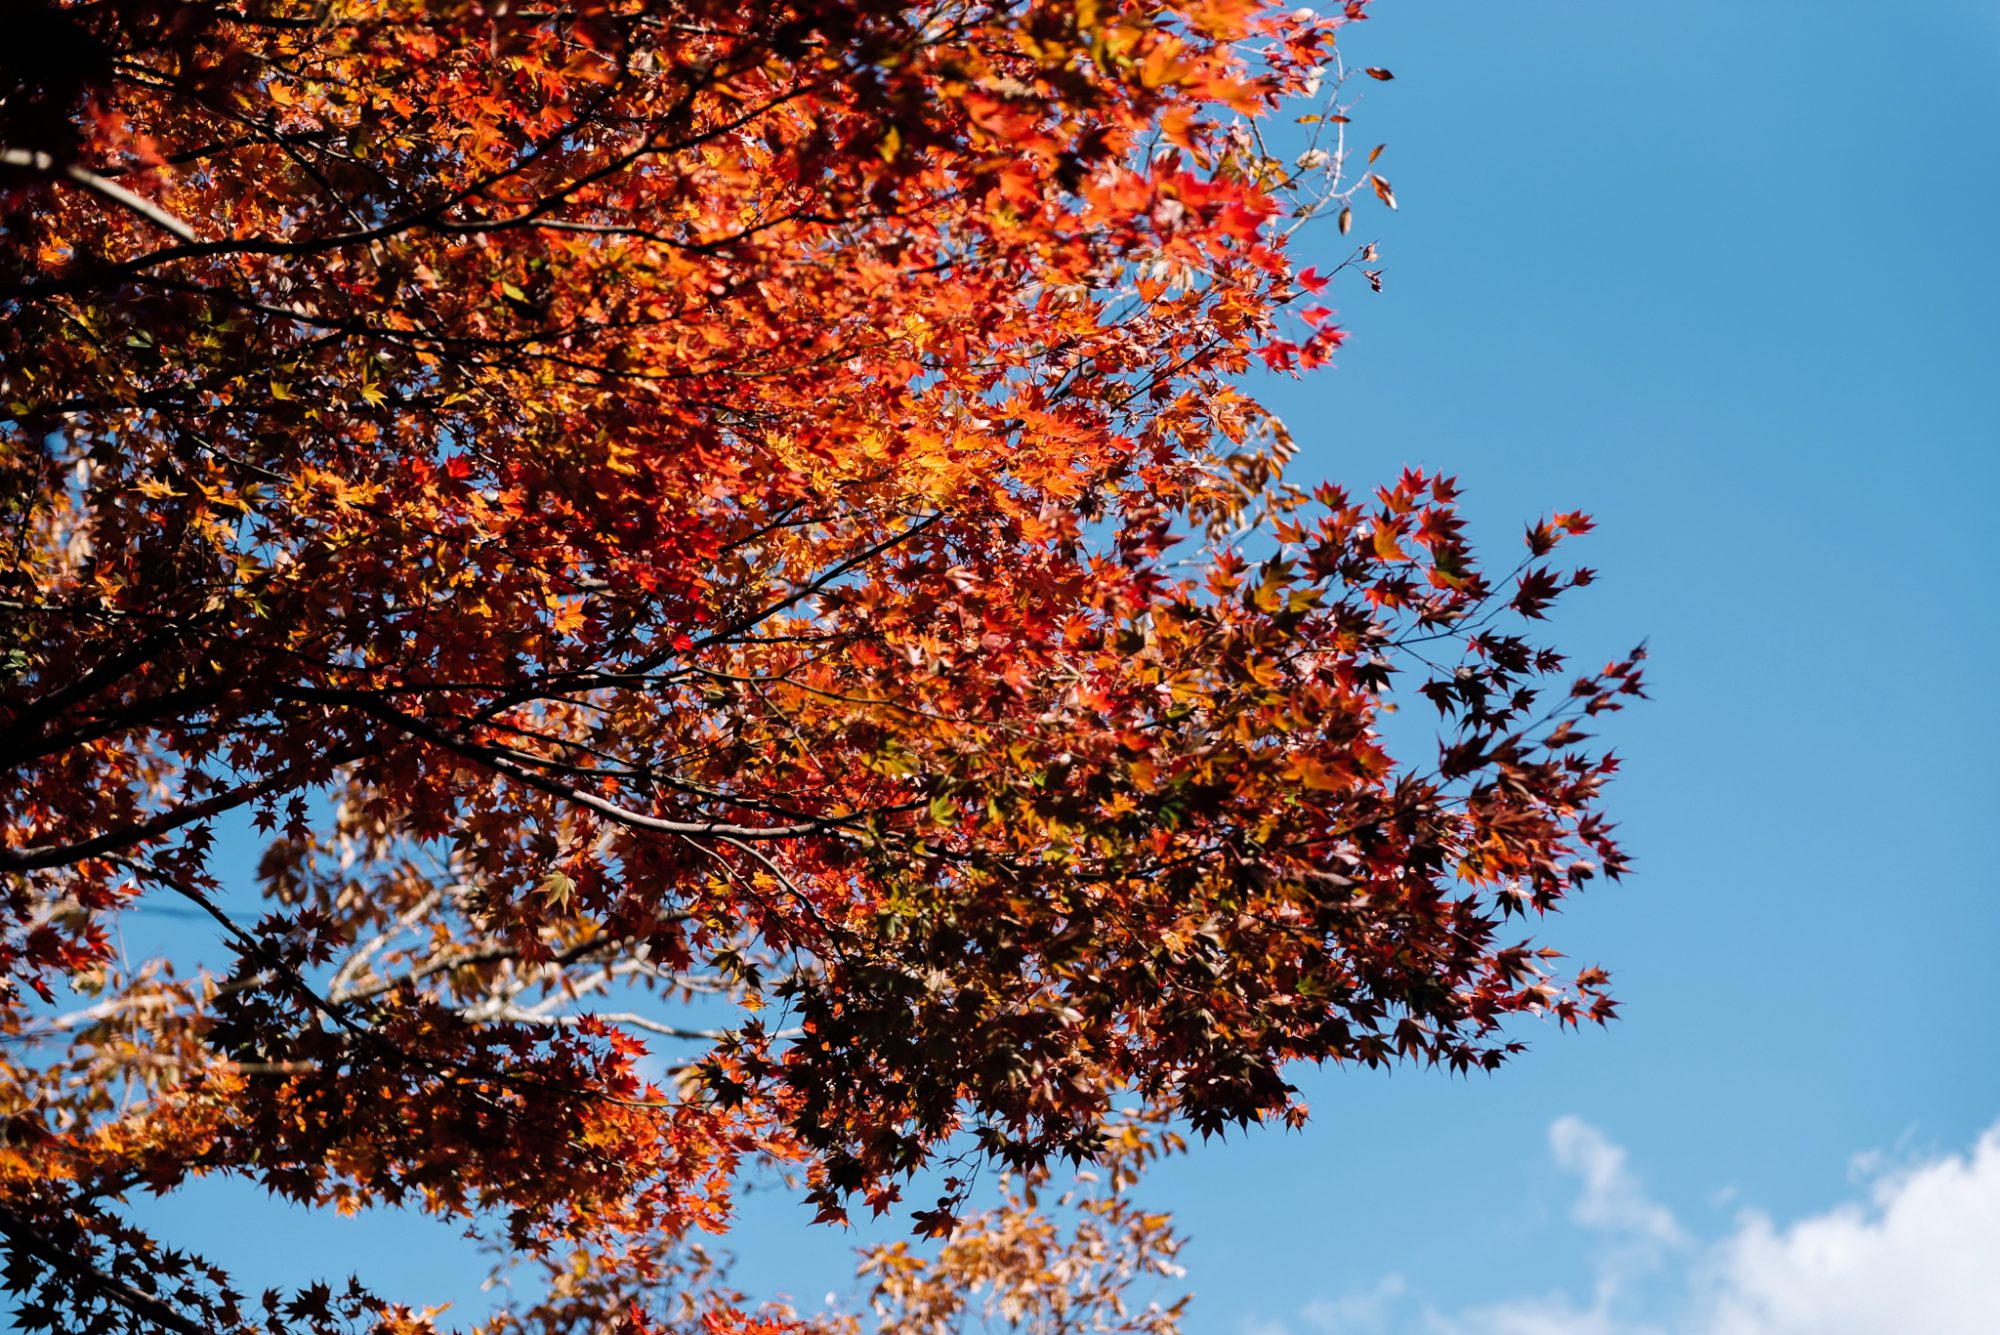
<point>1917,1254</point>
<point>1612,1200</point>
<point>1922,1253</point>
<point>1360,1312</point>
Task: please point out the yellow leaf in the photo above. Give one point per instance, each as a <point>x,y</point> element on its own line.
<point>557,888</point>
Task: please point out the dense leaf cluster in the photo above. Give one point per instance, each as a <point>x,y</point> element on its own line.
<point>725,549</point>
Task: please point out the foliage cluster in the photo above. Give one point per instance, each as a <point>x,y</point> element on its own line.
<point>671,509</point>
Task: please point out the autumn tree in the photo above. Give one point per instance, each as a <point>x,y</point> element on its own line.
<point>726,550</point>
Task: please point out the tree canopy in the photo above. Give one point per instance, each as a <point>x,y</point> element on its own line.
<point>726,551</point>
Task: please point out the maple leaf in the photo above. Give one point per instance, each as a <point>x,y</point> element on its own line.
<point>716,547</point>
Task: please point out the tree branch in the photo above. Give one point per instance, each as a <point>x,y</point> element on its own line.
<point>28,1240</point>
<point>40,857</point>
<point>102,188</point>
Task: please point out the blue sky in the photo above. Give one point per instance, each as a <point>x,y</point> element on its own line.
<point>1723,275</point>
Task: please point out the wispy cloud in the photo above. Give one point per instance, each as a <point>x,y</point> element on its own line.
<point>1611,1200</point>
<point>1914,1252</point>
<point>1363,1311</point>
